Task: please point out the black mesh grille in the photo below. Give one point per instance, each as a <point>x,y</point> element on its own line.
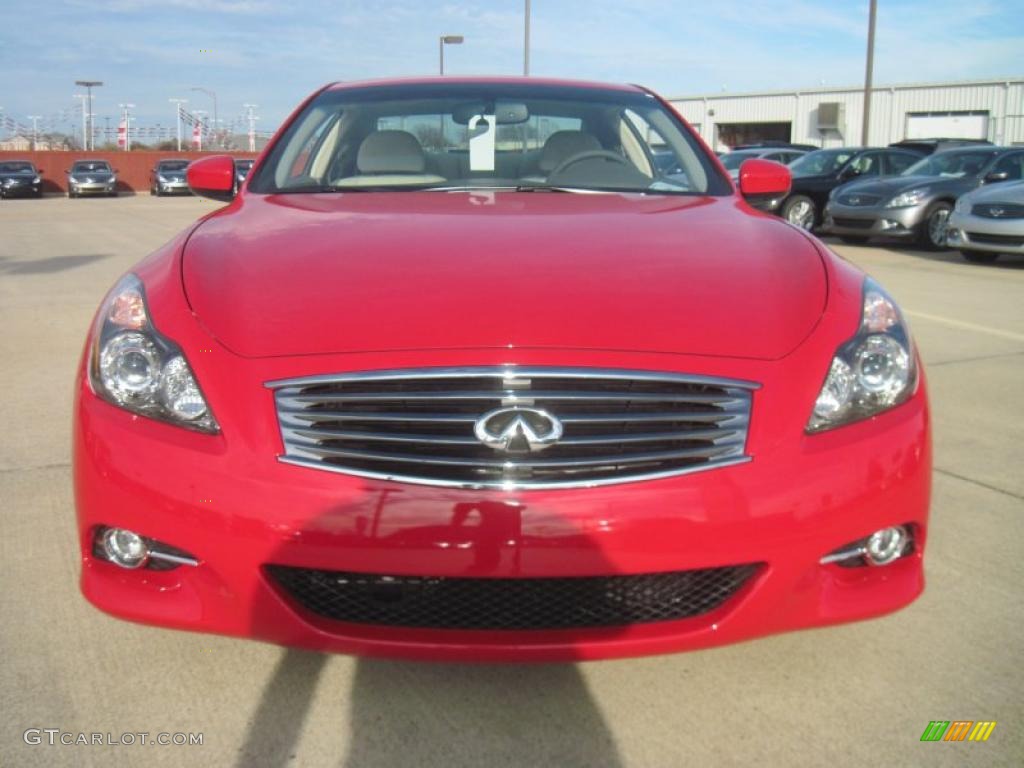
<point>840,221</point>
<point>510,604</point>
<point>990,239</point>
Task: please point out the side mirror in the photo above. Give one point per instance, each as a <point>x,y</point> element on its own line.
<point>212,177</point>
<point>996,176</point>
<point>763,182</point>
<point>67,170</point>
<point>849,172</point>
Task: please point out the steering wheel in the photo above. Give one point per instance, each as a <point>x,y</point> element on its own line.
<point>592,154</point>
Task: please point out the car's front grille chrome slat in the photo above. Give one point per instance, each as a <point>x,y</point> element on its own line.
<point>421,425</point>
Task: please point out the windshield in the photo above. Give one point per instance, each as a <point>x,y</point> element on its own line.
<point>442,136</point>
<point>90,165</point>
<point>820,162</point>
<point>173,165</point>
<point>17,168</point>
<point>951,164</point>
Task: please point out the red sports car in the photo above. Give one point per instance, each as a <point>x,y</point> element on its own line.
<point>498,369</point>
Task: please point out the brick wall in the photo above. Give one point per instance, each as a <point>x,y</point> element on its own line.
<point>132,167</point>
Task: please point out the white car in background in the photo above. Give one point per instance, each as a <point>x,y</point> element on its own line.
<point>987,222</point>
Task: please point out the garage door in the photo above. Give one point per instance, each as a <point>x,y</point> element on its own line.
<point>947,125</point>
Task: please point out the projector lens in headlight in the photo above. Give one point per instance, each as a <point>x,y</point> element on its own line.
<point>130,367</point>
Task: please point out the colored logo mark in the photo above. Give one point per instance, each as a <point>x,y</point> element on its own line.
<point>958,730</point>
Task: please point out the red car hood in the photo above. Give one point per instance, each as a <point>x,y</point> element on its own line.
<point>308,274</point>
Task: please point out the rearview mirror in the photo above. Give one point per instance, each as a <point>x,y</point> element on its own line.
<point>212,177</point>
<point>764,181</point>
<point>996,176</point>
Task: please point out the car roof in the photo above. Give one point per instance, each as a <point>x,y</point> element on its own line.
<point>174,160</point>
<point>549,82</point>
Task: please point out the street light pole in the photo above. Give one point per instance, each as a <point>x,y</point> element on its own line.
<point>89,85</point>
<point>85,108</point>
<point>35,131</point>
<point>526,39</point>
<point>868,73</point>
<point>177,119</point>
<point>252,126</point>
<point>442,41</point>
<point>212,95</point>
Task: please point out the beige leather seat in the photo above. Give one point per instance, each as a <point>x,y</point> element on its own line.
<point>559,147</point>
<point>390,157</point>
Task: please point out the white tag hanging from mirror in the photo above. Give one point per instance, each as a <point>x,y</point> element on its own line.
<point>482,142</point>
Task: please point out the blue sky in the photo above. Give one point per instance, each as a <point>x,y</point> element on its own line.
<point>274,52</point>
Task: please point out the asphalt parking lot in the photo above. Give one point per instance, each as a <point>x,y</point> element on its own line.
<point>855,694</point>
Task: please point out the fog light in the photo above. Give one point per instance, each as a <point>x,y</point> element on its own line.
<point>886,545</point>
<point>125,548</point>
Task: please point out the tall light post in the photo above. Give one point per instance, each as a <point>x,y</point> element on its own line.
<point>252,125</point>
<point>212,95</point>
<point>35,130</point>
<point>177,118</point>
<point>85,108</point>
<point>868,73</point>
<point>127,125</point>
<point>526,39</point>
<point>89,85</point>
<point>444,40</point>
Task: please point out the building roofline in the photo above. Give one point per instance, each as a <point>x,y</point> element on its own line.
<point>1017,80</point>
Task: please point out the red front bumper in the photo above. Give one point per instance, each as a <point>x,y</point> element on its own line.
<point>227,500</point>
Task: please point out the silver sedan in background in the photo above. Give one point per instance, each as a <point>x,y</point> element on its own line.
<point>988,222</point>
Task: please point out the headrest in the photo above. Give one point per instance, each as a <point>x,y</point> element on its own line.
<point>562,145</point>
<point>390,152</point>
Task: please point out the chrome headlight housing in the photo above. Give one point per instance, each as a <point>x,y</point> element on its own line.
<point>135,367</point>
<point>908,199</point>
<point>874,371</point>
<point>161,178</point>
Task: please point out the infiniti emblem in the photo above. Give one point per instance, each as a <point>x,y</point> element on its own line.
<point>518,430</point>
<point>996,211</point>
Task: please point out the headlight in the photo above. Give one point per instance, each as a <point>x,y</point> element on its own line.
<point>135,367</point>
<point>8,182</point>
<point>907,199</point>
<point>162,178</point>
<point>872,372</point>
<point>37,180</point>
<point>72,180</point>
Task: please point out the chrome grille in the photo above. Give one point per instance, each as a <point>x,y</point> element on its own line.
<point>998,210</point>
<point>418,425</point>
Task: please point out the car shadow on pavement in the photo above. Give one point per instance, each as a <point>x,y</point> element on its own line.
<point>414,713</point>
<point>274,732</point>
<point>48,266</point>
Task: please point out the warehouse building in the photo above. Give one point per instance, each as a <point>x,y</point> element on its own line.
<point>832,117</point>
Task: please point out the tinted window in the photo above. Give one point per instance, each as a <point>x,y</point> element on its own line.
<point>900,161</point>
<point>174,165</point>
<point>1010,165</point>
<point>821,162</point>
<point>950,164</point>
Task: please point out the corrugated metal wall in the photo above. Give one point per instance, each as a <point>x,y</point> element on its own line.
<point>890,105</point>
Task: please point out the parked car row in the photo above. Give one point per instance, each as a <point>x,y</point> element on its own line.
<point>96,177</point>
<point>908,191</point>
